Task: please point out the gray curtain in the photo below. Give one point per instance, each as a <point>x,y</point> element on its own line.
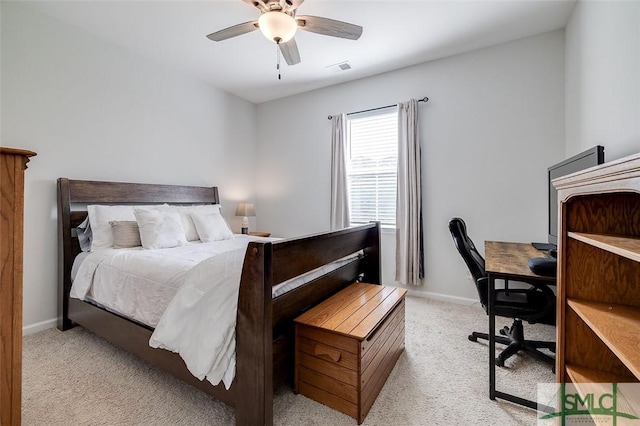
<point>339,189</point>
<point>409,239</point>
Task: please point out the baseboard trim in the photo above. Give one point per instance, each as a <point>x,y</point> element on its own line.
<point>441,297</point>
<point>39,326</point>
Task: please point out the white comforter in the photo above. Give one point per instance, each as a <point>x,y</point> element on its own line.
<point>199,321</point>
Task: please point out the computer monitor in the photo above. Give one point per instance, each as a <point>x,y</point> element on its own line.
<point>584,160</point>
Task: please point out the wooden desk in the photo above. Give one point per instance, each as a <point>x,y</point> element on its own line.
<point>508,261</point>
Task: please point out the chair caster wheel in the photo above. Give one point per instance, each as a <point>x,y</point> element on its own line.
<point>499,362</point>
<point>473,338</point>
<point>504,331</point>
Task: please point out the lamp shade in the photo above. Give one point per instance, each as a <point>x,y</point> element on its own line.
<point>277,26</point>
<point>245,209</point>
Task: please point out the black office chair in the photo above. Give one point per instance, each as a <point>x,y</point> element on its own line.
<point>535,304</point>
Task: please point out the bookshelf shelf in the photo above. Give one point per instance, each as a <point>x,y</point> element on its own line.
<point>622,246</point>
<point>618,326</point>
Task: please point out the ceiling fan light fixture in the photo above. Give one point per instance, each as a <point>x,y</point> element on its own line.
<point>277,26</point>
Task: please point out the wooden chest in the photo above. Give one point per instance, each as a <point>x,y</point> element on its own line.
<point>347,346</point>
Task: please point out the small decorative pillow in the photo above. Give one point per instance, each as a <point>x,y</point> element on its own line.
<point>125,233</point>
<point>211,227</point>
<point>159,228</point>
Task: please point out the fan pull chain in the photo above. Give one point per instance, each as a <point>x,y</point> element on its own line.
<point>278,60</point>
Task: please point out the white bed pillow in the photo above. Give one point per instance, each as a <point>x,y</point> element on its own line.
<point>99,218</point>
<point>211,227</point>
<point>159,228</point>
<point>185,215</point>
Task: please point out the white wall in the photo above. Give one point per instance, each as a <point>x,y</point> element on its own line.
<point>92,110</point>
<point>494,123</point>
<point>603,78</point>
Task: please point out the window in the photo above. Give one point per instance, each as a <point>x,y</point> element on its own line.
<point>372,166</point>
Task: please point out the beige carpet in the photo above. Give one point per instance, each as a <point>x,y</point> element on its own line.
<point>76,378</point>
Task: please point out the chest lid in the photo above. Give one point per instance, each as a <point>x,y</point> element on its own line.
<point>355,311</point>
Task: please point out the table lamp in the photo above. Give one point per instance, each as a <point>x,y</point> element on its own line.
<point>245,210</point>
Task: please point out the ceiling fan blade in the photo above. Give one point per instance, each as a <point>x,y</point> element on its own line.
<point>291,5</point>
<point>258,4</point>
<point>290,52</point>
<point>329,27</point>
<point>236,30</point>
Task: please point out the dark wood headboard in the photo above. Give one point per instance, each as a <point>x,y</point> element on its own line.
<point>80,193</point>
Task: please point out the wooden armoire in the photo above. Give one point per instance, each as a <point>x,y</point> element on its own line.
<point>13,163</point>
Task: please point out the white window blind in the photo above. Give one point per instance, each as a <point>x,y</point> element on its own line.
<point>373,166</point>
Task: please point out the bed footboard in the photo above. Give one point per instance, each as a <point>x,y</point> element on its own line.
<point>271,263</point>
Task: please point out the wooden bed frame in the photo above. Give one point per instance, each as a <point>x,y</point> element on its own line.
<point>264,331</point>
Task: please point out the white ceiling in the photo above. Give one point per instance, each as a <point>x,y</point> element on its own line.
<point>396,34</point>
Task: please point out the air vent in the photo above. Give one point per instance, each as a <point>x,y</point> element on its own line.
<point>342,66</point>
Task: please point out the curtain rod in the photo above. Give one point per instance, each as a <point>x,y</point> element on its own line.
<point>425,99</point>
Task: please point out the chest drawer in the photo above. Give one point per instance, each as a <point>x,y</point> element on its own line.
<point>347,346</point>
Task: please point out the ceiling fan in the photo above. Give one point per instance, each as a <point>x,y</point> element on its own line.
<point>278,22</point>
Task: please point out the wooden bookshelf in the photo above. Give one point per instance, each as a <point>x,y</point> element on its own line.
<point>598,324</point>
